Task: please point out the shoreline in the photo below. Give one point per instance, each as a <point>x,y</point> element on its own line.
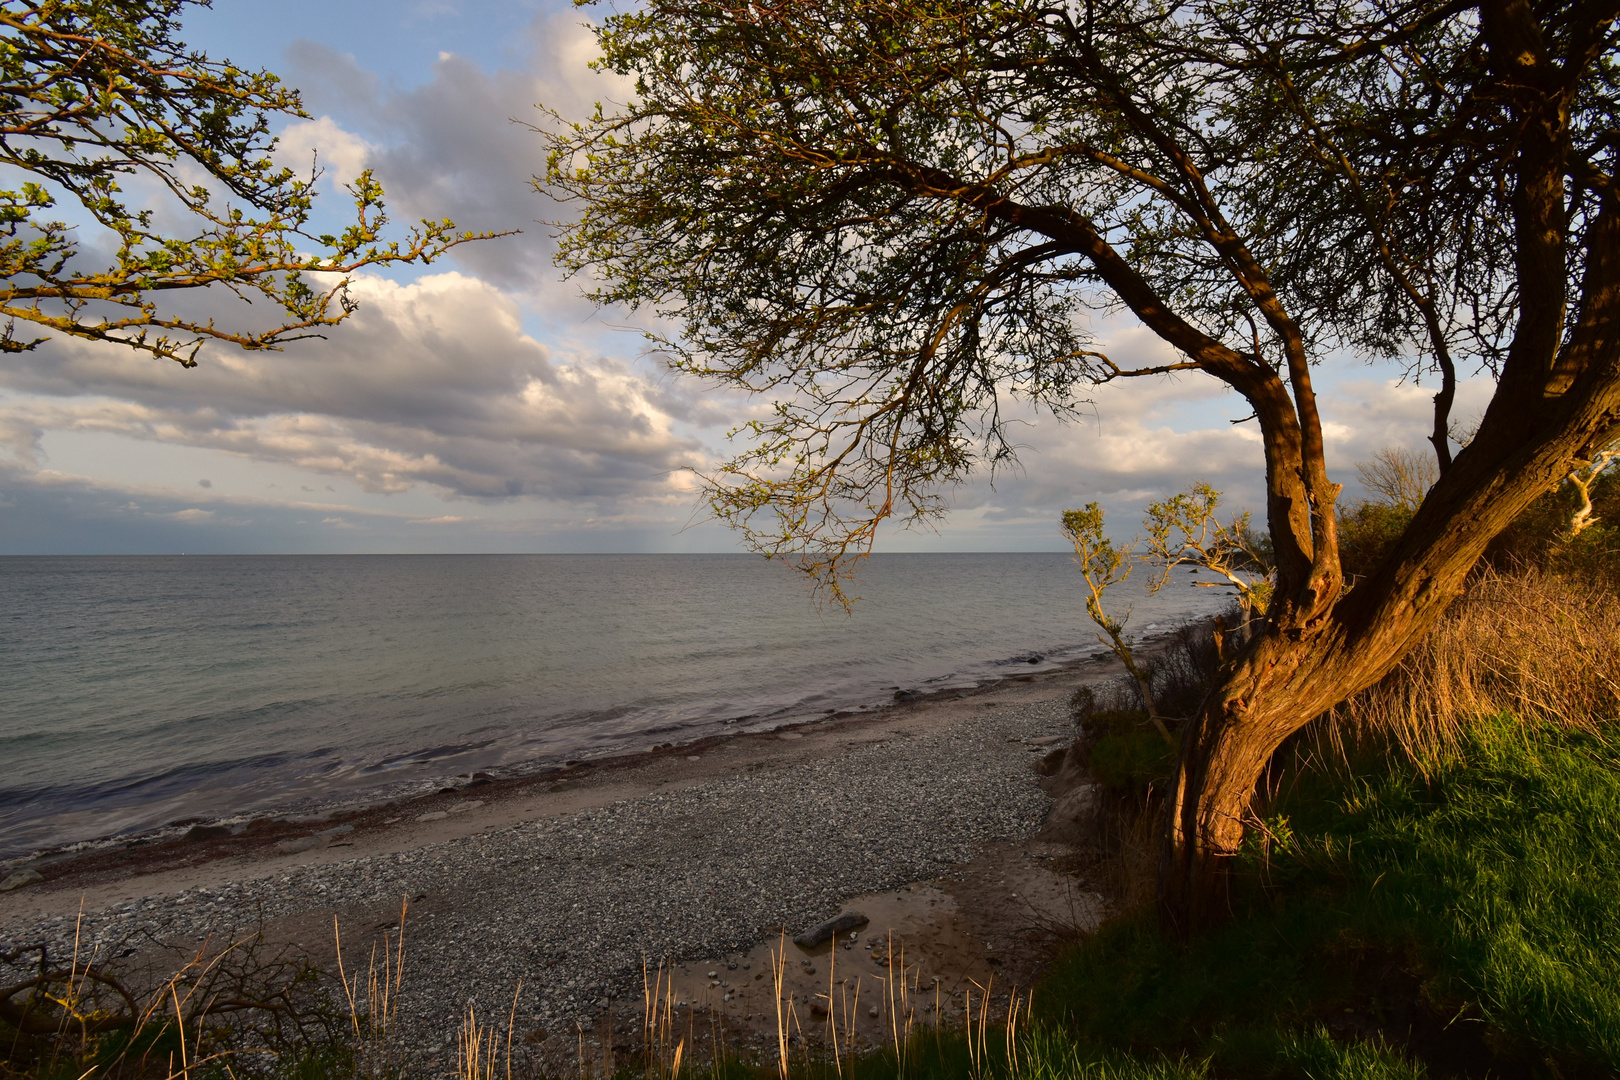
<point>931,815</point>
<point>934,817</point>
<point>275,824</point>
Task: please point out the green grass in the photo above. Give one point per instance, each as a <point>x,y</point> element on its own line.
<point>1129,756</point>
<point>1471,914</point>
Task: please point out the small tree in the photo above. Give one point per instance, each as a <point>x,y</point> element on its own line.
<point>1185,530</point>
<point>94,94</point>
<point>1401,478</point>
<point>1182,531</point>
<point>1103,564</point>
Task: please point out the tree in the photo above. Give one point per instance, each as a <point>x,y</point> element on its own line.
<point>94,93</point>
<point>1183,530</point>
<point>1186,530</point>
<point>889,214</point>
<point>1398,477</point>
<point>1104,564</point>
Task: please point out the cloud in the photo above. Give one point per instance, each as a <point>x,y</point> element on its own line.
<point>1141,440</point>
<point>431,383</point>
<point>340,155</point>
<point>459,146</point>
<point>52,512</point>
<point>438,388</point>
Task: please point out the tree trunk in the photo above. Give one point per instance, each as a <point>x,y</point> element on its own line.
<point>1273,688</point>
<point>1557,403</point>
<point>1311,651</point>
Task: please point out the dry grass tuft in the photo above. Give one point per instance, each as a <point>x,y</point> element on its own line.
<point>1539,646</point>
<point>375,1027</point>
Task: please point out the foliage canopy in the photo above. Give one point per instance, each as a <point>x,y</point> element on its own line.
<point>891,215</point>
<point>98,95</point>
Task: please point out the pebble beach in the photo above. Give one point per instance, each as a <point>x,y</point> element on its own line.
<point>697,855</point>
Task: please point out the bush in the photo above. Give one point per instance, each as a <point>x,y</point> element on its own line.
<point>1537,537</point>
<point>1130,756</point>
<point>1367,533</point>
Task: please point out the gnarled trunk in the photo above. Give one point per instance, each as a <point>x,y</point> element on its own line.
<point>1557,403</point>
<point>1313,651</point>
<point>1273,688</point>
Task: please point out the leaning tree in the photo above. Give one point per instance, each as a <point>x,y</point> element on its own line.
<point>887,214</point>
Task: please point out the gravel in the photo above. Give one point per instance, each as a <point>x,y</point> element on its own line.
<point>571,905</point>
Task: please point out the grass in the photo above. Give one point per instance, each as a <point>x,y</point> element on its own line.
<point>1466,910</point>
<point>1540,646</point>
<point>1395,918</point>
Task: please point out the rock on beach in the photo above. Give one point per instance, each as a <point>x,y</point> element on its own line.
<point>21,878</point>
<point>849,920</point>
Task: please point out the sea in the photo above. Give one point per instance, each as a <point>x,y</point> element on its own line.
<point>139,691</point>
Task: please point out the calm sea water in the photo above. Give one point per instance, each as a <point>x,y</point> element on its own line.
<point>134,691</point>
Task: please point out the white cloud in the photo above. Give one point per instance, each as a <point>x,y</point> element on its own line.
<point>431,383</point>
<point>341,155</point>
<point>437,389</point>
<point>459,145</point>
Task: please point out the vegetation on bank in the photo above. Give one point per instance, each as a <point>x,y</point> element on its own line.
<point>1432,891</point>
<point>1450,914</point>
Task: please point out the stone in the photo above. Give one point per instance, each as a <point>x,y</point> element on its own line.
<point>340,830</point>
<point>21,878</point>
<point>434,815</point>
<point>462,808</point>
<point>302,843</point>
<point>1076,816</point>
<point>849,920</point>
<point>1051,762</point>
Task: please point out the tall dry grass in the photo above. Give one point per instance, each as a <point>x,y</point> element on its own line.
<point>1542,647</point>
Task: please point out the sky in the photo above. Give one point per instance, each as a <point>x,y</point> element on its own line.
<point>479,404</point>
